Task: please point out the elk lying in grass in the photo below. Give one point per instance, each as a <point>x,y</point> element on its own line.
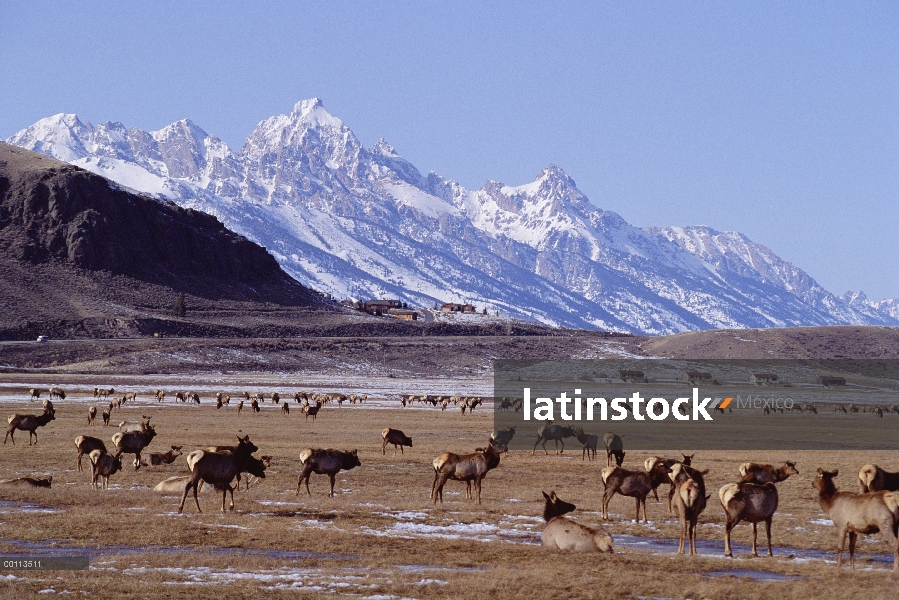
<point>563,533</point>
<point>220,468</point>
<point>465,467</point>
<point>126,426</point>
<point>552,432</point>
<point>133,442</point>
<point>614,449</point>
<point>589,441</point>
<point>636,484</point>
<point>689,500</point>
<point>28,423</point>
<point>325,462</point>
<point>750,502</point>
<point>175,485</point>
<point>853,514</point>
<point>755,473</point>
<point>85,444</point>
<point>872,478</point>
<point>103,465</point>
<point>395,437</point>
<point>165,458</point>
<point>28,482</point>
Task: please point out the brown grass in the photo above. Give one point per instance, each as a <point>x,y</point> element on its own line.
<point>373,507</point>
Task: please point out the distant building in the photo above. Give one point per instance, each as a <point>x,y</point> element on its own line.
<point>450,307</point>
<point>380,307</point>
<point>829,380</point>
<point>763,378</point>
<point>631,376</point>
<point>404,313</point>
<point>697,377</point>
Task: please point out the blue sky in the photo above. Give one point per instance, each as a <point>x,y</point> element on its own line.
<point>779,120</point>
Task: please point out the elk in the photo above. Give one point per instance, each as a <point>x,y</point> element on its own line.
<point>48,406</point>
<point>872,478</point>
<point>853,514</point>
<point>103,465</point>
<point>126,426</point>
<point>129,396</point>
<point>175,485</point>
<point>466,467</point>
<point>220,468</point>
<point>91,415</point>
<point>27,482</point>
<point>285,408</point>
<point>750,502</point>
<point>810,408</point>
<point>133,442</point>
<point>255,405</point>
<point>239,406</point>
<point>35,393</point>
<point>500,439</point>
<point>678,473</point>
<point>57,393</point>
<point>160,395</point>
<point>276,398</point>
<point>755,473</point>
<point>165,458</point>
<point>563,533</point>
<point>28,423</point>
<point>690,501</point>
<point>662,476</point>
<point>179,396</point>
<point>325,462</point>
<point>556,433</point>
<point>395,437</point>
<point>614,449</point>
<point>636,484</point>
<point>840,408</point>
<point>107,413</point>
<point>312,411</point>
<point>589,440</point>
<point>85,444</point>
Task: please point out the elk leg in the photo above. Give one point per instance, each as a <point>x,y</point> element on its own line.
<point>852,539</point>
<point>184,496</point>
<point>768,531</point>
<point>384,447</point>
<point>728,527</point>
<point>683,536</point>
<point>605,504</point>
<point>11,436</point>
<point>477,483</point>
<point>842,537</point>
<point>754,535</point>
<point>331,476</point>
<point>231,491</point>
<point>638,509</point>
<point>693,537</point>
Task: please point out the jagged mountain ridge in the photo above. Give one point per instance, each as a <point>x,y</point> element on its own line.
<point>361,222</point>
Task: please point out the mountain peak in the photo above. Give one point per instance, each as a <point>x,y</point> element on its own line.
<point>384,149</point>
<point>555,172</point>
<point>313,113</point>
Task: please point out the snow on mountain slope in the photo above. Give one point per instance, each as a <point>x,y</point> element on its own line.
<point>363,223</point>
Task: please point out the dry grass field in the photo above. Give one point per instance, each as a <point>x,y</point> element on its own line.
<point>381,537</point>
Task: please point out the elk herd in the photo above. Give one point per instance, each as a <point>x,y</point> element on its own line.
<point>752,499</point>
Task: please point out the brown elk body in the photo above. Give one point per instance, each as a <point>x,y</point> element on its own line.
<point>85,444</point>
<point>395,437</point>
<point>165,458</point>
<point>750,502</point>
<point>103,465</point>
<point>636,484</point>
<point>563,533</point>
<point>689,500</point>
<point>872,478</point>
<point>220,469</point>
<point>133,442</point>
<point>325,462</point>
<point>554,433</point>
<point>755,473</point>
<point>589,441</point>
<point>614,449</point>
<point>31,482</point>
<point>28,423</point>
<point>465,467</point>
<point>91,415</point>
<point>853,514</point>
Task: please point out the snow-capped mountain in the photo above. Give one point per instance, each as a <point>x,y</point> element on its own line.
<point>363,222</point>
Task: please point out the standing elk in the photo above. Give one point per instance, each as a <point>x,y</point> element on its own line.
<point>556,433</point>
<point>853,514</point>
<point>106,414</point>
<point>48,406</point>
<point>35,393</point>
<point>285,408</point>
<point>589,441</point>
<point>312,411</point>
<point>85,444</point>
<point>103,465</point>
<point>678,473</point>
<point>395,437</point>
<point>755,473</point>
<point>690,501</point>
<point>239,406</point>
<point>133,442</point>
<point>636,484</point>
<point>563,533</point>
<point>661,476</point>
<point>91,415</point>
<point>614,449</point>
<point>872,478</point>
<point>466,467</point>
<point>255,405</point>
<point>750,502</point>
<point>501,439</point>
<point>57,393</point>
<point>325,462</point>
<point>28,423</point>
<point>276,398</point>
<point>160,395</point>
<point>220,468</point>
